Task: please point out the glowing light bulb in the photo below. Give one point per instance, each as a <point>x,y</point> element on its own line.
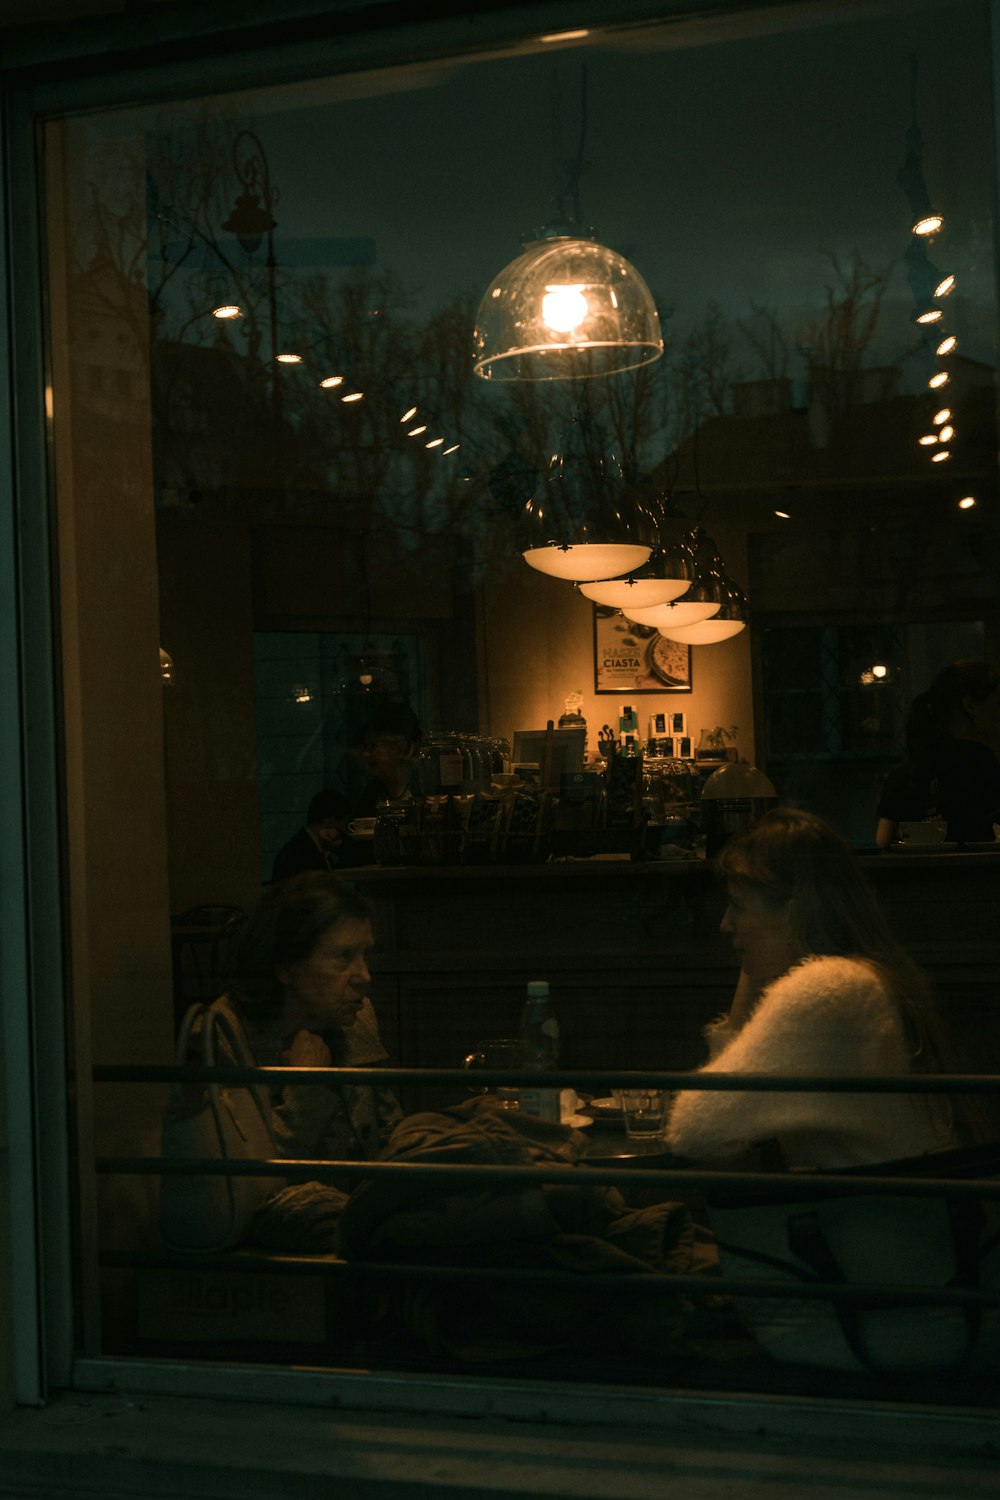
<point>937,381</point>
<point>228,310</point>
<point>783,514</point>
<point>434,443</point>
<point>453,449</point>
<point>879,670</point>
<point>931,316</point>
<point>939,458</point>
<point>947,433</point>
<point>416,431</point>
<point>564,308</point>
<point>967,502</point>
<point>353,396</point>
<point>944,287</point>
<point>929,225</point>
<point>928,439</point>
<point>331,381</point>
<point>409,415</point>
<point>948,345</point>
<point>289,359</point>
<point>941,416</point>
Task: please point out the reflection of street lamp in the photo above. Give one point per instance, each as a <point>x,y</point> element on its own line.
<point>251,220</point>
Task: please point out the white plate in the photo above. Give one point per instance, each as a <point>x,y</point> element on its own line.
<point>605,1109</point>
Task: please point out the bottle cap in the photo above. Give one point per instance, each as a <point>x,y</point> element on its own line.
<point>538,989</point>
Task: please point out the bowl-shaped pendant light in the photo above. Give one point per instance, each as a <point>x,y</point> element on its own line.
<point>585,521</point>
<point>670,571</point>
<point>567,308</point>
<point>704,597</point>
<point>732,617</point>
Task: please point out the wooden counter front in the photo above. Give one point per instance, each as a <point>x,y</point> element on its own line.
<point>634,954</point>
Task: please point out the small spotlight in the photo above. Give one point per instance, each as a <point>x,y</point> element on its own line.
<point>937,381</point>
<point>947,433</point>
<point>948,345</point>
<point>416,431</point>
<point>228,310</point>
<point>354,396</point>
<point>931,316</point>
<point>331,381</point>
<point>939,458</point>
<point>967,502</point>
<point>288,359</point>
<point>879,670</point>
<point>944,287</point>
<point>453,449</point>
<point>783,515</point>
<point>929,225</point>
<point>409,415</point>
<point>434,443</point>
<point>941,416</point>
<point>928,439</point>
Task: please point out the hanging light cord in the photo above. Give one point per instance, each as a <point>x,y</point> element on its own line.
<point>568,202</point>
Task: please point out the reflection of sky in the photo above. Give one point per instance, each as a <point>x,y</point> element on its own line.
<point>726,172</point>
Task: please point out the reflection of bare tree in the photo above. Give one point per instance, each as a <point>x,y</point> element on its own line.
<point>767,339</point>
<point>838,340</point>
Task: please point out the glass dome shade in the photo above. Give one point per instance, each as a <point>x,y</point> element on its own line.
<point>585,521</point>
<point>566,308</point>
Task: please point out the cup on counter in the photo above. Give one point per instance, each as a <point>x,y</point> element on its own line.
<point>500,1052</point>
<point>644,1112</point>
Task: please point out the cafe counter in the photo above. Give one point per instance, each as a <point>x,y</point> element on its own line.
<point>633,953</point>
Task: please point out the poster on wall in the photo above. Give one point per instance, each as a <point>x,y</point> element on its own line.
<point>632,658</point>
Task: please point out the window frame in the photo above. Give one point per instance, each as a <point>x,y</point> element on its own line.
<point>46,78</point>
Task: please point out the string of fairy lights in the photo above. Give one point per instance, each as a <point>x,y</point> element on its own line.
<point>939,440</point>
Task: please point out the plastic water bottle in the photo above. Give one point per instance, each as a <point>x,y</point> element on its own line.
<point>539,1049</point>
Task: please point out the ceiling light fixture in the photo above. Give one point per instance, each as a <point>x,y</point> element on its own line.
<point>967,502</point>
<point>567,308</point>
<point>929,224</point>
<point>944,287</point>
<point>941,416</point>
<point>947,433</point>
<point>948,345</point>
<point>409,415</point>
<point>288,359</point>
<point>331,381</point>
<point>939,458</point>
<point>666,575</point>
<point>937,381</point>
<point>226,311</point>
<point>583,522</point>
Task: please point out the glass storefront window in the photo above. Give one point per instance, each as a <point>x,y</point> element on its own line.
<point>274,462</point>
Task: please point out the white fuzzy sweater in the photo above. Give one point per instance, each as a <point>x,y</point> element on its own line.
<point>827,1015</point>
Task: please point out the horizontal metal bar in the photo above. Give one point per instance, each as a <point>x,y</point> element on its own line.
<point>910,1083</point>
<point>627,1281</point>
<point>828,1185</point>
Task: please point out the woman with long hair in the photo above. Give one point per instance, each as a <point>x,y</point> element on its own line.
<point>952,771</point>
<point>823,988</point>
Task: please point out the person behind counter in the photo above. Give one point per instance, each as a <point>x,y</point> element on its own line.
<point>952,770</point>
<point>389,743</point>
<point>320,844</point>
<point>823,988</point>
<point>298,993</point>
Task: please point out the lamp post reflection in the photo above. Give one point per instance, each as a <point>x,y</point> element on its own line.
<point>251,221</point>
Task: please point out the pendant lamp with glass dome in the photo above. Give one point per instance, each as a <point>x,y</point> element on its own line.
<point>668,573</point>
<point>566,308</point>
<point>585,522</point>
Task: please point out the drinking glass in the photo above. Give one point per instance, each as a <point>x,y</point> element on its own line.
<point>645,1112</point>
<point>500,1052</point>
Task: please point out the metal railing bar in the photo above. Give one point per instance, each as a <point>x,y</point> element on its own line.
<point>830,1184</point>
<point>708,1285</point>
<point>910,1083</point>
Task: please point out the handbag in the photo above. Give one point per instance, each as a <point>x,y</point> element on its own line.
<point>850,1238</point>
<point>233,1124</point>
